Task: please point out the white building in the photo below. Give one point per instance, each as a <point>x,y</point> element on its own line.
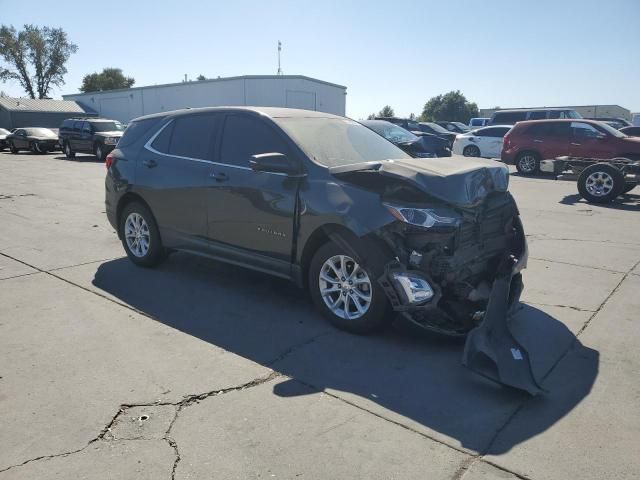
<point>294,91</point>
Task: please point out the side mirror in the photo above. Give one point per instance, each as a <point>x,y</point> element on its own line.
<point>274,163</point>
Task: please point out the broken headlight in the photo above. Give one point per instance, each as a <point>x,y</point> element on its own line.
<point>424,217</point>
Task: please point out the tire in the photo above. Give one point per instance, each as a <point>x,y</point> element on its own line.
<point>67,150</point>
<point>528,163</point>
<point>130,225</point>
<point>99,152</point>
<point>471,151</point>
<point>377,311</point>
<point>600,183</point>
<point>13,149</point>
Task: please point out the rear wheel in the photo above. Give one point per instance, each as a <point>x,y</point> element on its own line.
<point>528,163</point>
<point>67,151</point>
<point>140,236</point>
<point>347,292</point>
<point>471,151</point>
<point>600,183</point>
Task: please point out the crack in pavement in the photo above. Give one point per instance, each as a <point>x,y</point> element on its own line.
<point>184,403</point>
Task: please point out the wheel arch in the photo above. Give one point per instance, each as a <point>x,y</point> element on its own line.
<point>125,200</point>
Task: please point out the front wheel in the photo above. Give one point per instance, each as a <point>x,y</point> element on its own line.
<point>67,151</point>
<point>528,163</point>
<point>140,236</point>
<point>346,292</point>
<point>600,183</point>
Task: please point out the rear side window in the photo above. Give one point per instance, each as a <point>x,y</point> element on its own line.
<point>493,132</point>
<point>193,136</point>
<point>509,117</point>
<point>538,115</point>
<point>137,129</point>
<point>245,136</point>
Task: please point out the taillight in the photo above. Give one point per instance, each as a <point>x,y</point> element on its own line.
<point>108,161</point>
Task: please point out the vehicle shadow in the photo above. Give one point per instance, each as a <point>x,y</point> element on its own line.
<point>627,201</point>
<point>416,380</point>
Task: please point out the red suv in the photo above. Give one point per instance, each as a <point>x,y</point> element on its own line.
<point>529,142</point>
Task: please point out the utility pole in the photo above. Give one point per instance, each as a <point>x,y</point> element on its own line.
<point>279,50</point>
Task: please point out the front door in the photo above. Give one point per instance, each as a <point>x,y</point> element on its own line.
<point>251,214</point>
<point>173,176</point>
<point>589,142</point>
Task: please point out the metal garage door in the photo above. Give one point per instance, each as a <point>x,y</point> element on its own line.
<point>300,99</point>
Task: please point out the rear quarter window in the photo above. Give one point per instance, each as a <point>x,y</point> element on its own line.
<point>137,129</point>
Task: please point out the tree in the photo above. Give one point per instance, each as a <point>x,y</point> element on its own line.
<point>201,78</point>
<point>386,111</point>
<point>109,79</point>
<point>35,57</point>
<point>452,106</point>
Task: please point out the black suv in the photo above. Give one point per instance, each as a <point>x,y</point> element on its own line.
<point>329,204</point>
<point>97,136</point>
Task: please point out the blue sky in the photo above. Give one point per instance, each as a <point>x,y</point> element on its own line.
<point>401,53</point>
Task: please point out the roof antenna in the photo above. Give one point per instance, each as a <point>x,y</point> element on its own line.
<point>279,50</point>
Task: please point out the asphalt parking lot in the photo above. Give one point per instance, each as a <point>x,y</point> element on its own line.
<point>202,370</point>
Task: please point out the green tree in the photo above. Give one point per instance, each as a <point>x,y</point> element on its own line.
<point>452,106</point>
<point>386,111</point>
<point>35,57</point>
<point>201,78</point>
<point>108,79</point>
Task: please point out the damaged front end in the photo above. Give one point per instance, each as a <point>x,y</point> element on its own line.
<point>458,260</point>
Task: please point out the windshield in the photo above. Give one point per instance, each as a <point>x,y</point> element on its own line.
<point>611,130</point>
<point>435,127</point>
<point>107,127</point>
<point>40,132</point>
<point>338,141</point>
<point>461,126</point>
<point>391,132</point>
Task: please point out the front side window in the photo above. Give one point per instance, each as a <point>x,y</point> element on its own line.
<point>584,130</point>
<point>193,136</point>
<point>245,136</point>
<point>339,141</point>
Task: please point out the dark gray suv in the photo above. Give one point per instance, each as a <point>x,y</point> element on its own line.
<point>325,202</point>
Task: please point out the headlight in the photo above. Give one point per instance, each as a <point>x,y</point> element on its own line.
<point>111,140</point>
<point>422,217</point>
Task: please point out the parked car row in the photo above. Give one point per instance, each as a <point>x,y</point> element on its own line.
<point>96,136</point>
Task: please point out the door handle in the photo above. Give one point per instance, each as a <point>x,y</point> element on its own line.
<point>219,176</point>
<point>149,163</point>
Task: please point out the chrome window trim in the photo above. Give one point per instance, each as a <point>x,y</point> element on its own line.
<point>199,160</point>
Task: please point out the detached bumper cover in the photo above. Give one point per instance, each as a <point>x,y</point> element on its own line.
<point>491,350</point>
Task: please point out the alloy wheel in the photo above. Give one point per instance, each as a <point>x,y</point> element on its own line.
<point>345,287</point>
<point>599,184</point>
<point>527,163</point>
<point>137,234</point>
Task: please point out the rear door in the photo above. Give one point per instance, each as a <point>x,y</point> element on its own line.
<point>491,141</point>
<point>251,214</point>
<point>588,141</point>
<point>550,139</point>
<point>172,174</point>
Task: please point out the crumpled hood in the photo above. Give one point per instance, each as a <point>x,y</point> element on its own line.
<point>456,180</point>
